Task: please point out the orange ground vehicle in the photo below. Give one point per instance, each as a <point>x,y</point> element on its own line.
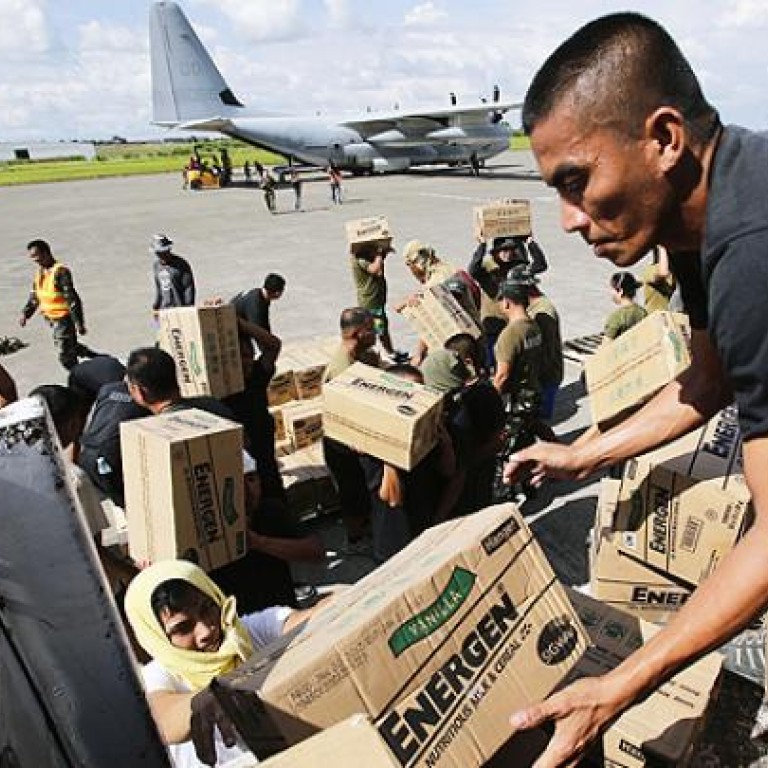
<point>202,178</point>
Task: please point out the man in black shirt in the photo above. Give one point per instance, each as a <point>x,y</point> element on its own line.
<point>251,409</point>
<point>151,378</point>
<point>100,456</point>
<point>621,129</point>
<point>88,377</point>
<point>254,305</point>
<point>275,539</point>
<point>174,281</point>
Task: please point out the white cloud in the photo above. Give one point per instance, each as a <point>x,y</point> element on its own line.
<point>24,29</point>
<point>264,20</point>
<point>424,14</point>
<point>745,14</point>
<point>338,12</point>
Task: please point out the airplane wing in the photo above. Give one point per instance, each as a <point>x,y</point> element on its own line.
<point>423,119</point>
<point>207,124</point>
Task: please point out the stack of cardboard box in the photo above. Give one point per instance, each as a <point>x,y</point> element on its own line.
<point>296,403</point>
<point>671,518</point>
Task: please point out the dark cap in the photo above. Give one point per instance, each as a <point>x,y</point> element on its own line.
<point>503,244</point>
<point>161,244</point>
<point>513,290</point>
<point>522,275</point>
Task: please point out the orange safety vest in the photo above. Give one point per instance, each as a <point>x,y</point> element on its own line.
<point>53,304</point>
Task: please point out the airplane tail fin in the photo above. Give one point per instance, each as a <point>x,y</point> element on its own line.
<point>186,84</point>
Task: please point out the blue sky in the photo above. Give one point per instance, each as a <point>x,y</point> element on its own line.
<point>80,68</point>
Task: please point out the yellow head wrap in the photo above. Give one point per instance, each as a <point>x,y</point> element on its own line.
<point>197,668</point>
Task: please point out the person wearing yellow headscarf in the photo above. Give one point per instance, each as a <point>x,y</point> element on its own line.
<point>193,633</point>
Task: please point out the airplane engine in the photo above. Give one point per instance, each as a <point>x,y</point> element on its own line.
<point>391,164</point>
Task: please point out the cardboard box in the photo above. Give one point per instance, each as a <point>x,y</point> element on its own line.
<point>503,217</point>
<point>303,422</point>
<point>204,345</point>
<point>343,745</point>
<point>281,389</point>
<point>346,745</point>
<point>283,447</point>
<point>276,411</point>
<point>437,316</point>
<point>381,414</point>
<point>662,729</point>
<point>308,482</point>
<point>437,646</point>
<point>711,453</point>
<point>364,232</point>
<point>621,581</point>
<point>678,525</point>
<point>682,507</point>
<point>636,365</point>
<point>184,488</point>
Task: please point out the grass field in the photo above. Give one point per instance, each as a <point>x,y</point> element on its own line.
<point>141,159</point>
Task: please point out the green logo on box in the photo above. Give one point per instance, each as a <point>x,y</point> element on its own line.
<point>433,617</point>
<point>194,359</point>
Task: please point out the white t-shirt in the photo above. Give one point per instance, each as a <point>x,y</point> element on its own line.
<point>264,627</point>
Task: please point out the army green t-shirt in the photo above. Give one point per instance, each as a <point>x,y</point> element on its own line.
<point>520,345</point>
<point>543,311</point>
<point>623,319</point>
<point>342,359</point>
<point>656,290</point>
<point>371,289</point>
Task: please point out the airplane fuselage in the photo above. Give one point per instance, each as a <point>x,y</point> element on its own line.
<point>319,141</point>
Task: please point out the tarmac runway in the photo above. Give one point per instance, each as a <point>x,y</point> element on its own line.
<point>102,229</point>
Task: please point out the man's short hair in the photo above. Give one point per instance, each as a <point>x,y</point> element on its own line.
<point>615,71</point>
<point>274,283</point>
<point>64,404</point>
<point>353,318</point>
<point>466,346</point>
<point>39,245</point>
<point>154,371</point>
<point>514,292</point>
<point>625,282</point>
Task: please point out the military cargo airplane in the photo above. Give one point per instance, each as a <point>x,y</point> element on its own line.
<point>189,92</point>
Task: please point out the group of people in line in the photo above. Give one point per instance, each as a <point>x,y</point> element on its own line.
<point>621,129</point>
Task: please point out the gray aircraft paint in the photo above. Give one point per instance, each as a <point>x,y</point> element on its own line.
<point>189,92</point>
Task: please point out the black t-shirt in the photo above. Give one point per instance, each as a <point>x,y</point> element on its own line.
<point>251,409</point>
<point>100,442</point>
<point>253,307</point>
<point>91,375</point>
<point>728,294</point>
<point>203,403</point>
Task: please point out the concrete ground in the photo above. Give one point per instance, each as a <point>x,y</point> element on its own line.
<point>102,230</point>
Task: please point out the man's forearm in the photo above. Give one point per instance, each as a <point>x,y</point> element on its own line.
<point>308,548</point>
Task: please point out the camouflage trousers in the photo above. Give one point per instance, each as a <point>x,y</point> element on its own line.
<point>65,341</point>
